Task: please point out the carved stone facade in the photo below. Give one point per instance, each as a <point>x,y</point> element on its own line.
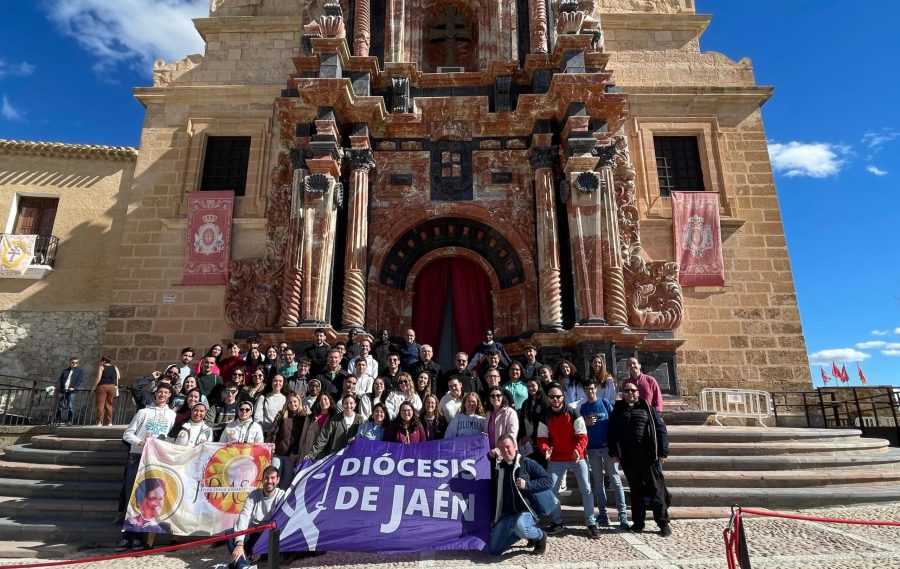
<point>393,136</point>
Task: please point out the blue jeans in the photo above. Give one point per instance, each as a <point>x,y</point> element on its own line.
<point>512,528</point>
<point>66,402</point>
<point>580,468</point>
<point>243,561</point>
<point>602,465</point>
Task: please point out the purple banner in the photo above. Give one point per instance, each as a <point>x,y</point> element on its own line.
<point>390,498</point>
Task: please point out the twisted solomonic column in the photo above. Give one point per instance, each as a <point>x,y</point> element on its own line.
<point>356,254</point>
<point>549,290</point>
<point>362,37</point>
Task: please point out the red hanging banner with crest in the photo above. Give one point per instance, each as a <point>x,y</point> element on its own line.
<point>698,239</point>
<point>208,240</point>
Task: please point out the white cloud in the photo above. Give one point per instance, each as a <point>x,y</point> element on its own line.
<point>876,140</point>
<point>897,330</point>
<point>837,355</point>
<point>21,69</point>
<point>814,159</point>
<point>876,170</point>
<point>894,352</point>
<point>879,332</point>
<point>8,111</point>
<point>134,32</point>
<point>870,345</point>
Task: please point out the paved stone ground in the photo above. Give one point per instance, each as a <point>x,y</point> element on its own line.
<point>695,544</point>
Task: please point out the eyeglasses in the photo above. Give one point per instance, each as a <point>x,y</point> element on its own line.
<point>244,410</point>
<point>496,396</point>
<point>555,396</point>
<point>231,391</point>
<point>630,390</point>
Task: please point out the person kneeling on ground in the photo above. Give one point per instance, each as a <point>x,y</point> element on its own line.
<point>258,509</point>
<point>521,488</point>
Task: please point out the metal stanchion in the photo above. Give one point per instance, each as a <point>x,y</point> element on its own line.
<point>274,551</point>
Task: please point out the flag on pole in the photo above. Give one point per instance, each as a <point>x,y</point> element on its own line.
<point>835,372</point>
<point>862,376</point>
<point>825,377</point>
<point>844,376</point>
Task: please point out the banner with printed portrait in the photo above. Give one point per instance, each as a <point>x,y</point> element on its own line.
<point>384,497</point>
<point>208,244</point>
<point>194,490</point>
<point>698,239</point>
<point>16,253</point>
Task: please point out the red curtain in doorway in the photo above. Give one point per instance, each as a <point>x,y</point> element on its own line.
<point>472,308</point>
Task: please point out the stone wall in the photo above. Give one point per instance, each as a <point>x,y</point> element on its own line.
<point>38,345</point>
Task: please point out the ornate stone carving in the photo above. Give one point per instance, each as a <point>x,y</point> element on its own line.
<point>654,297</point>
<point>317,184</point>
<point>587,182</point>
<point>569,22</point>
<point>543,157</point>
<point>605,153</point>
<point>362,38</point>
<point>538,17</point>
<point>360,158</point>
<point>251,295</point>
<point>338,194</point>
<point>400,94</point>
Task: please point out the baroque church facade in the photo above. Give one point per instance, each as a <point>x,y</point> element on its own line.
<point>455,165</point>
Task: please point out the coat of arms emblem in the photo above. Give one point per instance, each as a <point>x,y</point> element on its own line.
<point>208,240</point>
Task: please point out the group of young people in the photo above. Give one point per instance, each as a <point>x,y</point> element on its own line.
<point>316,405</point>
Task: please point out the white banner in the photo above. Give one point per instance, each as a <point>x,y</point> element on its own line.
<point>16,253</point>
<point>194,491</point>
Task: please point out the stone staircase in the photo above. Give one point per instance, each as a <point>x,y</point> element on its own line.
<point>63,488</point>
<point>711,468</point>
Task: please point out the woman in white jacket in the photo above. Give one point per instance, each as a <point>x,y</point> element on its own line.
<point>404,392</point>
<point>243,429</point>
<point>195,432</point>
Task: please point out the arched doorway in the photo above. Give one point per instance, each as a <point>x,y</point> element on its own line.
<point>452,307</point>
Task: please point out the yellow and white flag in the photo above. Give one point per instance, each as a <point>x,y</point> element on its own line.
<point>16,253</point>
<point>194,490</point>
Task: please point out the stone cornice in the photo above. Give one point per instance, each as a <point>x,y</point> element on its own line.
<point>244,24</point>
<point>756,94</point>
<point>187,93</point>
<point>696,23</point>
<point>62,150</point>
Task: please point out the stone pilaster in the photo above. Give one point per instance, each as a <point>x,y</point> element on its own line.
<point>549,291</point>
<point>583,196</point>
<point>356,254</point>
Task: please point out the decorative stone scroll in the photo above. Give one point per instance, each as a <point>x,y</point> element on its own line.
<point>653,297</point>
<point>538,23</point>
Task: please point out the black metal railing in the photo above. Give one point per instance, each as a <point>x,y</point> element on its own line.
<point>44,249</point>
<point>873,410</point>
<point>24,405</point>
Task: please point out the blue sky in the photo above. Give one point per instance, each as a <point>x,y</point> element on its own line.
<point>67,68</point>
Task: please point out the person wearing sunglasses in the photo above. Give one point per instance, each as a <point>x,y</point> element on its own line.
<point>639,441</point>
<point>562,437</point>
<point>243,429</point>
<point>226,411</point>
<point>403,392</point>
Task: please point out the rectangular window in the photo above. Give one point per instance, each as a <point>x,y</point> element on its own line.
<point>678,164</point>
<point>225,164</point>
<point>35,216</point>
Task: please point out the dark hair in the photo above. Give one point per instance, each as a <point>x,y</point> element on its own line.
<point>148,485</point>
<point>188,349</point>
<point>529,347</point>
<point>413,422</point>
<point>232,384</point>
<point>598,378</point>
<point>105,360</point>
<point>209,352</point>
<point>165,385</point>
<point>322,330</point>
<point>381,406</point>
<point>518,365</point>
<point>505,437</point>
<point>510,402</point>
<point>184,406</point>
<point>270,469</point>
<point>230,345</point>
<point>492,353</point>
<point>317,406</point>
<point>573,372</point>
<point>303,362</point>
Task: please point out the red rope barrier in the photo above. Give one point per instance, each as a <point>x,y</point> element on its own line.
<point>153,551</point>
<point>816,519</point>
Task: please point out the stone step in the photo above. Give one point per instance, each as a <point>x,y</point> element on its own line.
<point>30,471</point>
<point>60,529</point>
<point>92,432</point>
<point>14,507</point>
<point>717,434</point>
<point>58,489</point>
<point>56,442</point>
<point>783,498</point>
<point>792,447</point>
<point>889,459</point>
<point>30,453</point>
<point>783,478</point>
<point>38,550</point>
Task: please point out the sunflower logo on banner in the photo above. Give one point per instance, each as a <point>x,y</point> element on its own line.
<point>194,491</point>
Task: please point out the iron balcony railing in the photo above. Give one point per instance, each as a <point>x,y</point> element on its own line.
<point>44,249</point>
<point>28,405</point>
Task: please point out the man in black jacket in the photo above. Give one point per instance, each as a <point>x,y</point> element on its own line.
<point>516,481</point>
<point>639,440</point>
<point>68,382</point>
